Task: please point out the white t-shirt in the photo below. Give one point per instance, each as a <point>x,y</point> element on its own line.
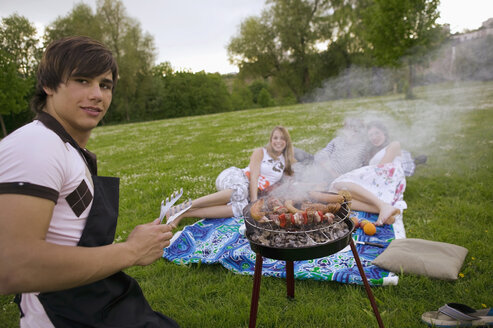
<point>271,170</point>
<point>35,161</point>
<point>342,154</point>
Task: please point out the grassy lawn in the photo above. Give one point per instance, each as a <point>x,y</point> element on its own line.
<point>450,199</point>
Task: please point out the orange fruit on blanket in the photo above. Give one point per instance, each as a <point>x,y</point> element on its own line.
<point>370,229</point>
<point>362,223</point>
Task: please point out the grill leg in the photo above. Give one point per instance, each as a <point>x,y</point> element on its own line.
<point>256,290</point>
<point>290,278</point>
<point>367,285</point>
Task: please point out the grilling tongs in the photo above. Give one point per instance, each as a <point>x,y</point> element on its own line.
<point>165,206</point>
<point>177,210</point>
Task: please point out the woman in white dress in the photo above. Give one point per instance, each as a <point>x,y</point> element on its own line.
<point>379,186</point>
<point>236,187</point>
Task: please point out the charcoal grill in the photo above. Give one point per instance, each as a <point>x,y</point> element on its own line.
<point>312,250</point>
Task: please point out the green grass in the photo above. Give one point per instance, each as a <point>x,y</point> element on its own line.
<point>450,199</point>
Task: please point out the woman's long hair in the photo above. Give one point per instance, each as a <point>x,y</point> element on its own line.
<point>288,151</point>
<point>375,149</point>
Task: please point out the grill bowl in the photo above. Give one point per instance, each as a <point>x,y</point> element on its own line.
<point>304,252</point>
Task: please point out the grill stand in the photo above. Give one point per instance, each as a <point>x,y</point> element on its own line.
<point>290,286</point>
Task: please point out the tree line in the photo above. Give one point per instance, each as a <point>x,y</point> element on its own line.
<point>283,55</point>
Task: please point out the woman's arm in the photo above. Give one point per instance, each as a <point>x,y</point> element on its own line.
<point>393,150</point>
<point>30,264</point>
<point>255,161</point>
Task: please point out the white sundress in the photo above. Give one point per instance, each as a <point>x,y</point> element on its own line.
<point>386,181</point>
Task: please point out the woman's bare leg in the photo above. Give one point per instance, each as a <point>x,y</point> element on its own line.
<point>360,194</point>
<point>211,212</point>
<point>218,198</point>
<point>208,206</point>
<point>358,205</point>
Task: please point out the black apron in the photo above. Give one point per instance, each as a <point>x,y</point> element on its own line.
<point>116,301</point>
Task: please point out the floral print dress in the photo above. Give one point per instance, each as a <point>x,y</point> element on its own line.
<point>386,181</point>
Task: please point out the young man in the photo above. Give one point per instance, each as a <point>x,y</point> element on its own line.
<point>57,217</point>
<point>346,152</point>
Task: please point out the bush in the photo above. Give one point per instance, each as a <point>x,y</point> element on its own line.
<point>188,94</point>
<point>265,99</point>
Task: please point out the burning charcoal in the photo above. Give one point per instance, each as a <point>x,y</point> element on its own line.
<point>315,232</point>
<point>263,240</point>
<point>310,242</point>
<point>277,240</point>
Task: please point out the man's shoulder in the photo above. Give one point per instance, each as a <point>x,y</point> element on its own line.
<point>33,143</point>
<point>35,154</point>
<point>32,134</point>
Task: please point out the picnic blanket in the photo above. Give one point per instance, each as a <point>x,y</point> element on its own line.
<point>218,241</point>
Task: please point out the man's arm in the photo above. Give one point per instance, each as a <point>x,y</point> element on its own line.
<point>28,263</point>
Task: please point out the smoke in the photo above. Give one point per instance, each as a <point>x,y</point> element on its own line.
<point>455,60</point>
<point>416,123</point>
<point>445,86</point>
<point>460,61</point>
<point>354,82</point>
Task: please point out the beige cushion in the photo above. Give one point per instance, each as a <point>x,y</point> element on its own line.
<point>423,257</point>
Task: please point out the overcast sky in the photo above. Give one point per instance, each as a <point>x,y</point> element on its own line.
<point>193,34</point>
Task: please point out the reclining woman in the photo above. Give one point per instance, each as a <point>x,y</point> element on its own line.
<point>236,187</point>
<point>379,186</point>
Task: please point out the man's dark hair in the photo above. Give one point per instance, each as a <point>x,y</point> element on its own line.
<point>71,56</point>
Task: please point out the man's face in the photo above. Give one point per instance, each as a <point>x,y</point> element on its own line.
<point>80,103</point>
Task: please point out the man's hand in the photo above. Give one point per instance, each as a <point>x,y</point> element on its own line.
<point>147,241</point>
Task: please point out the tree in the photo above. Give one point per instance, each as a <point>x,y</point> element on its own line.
<point>265,99</point>
<point>18,60</point>
<point>401,32</point>
<point>241,96</point>
<point>80,21</point>
<point>282,43</point>
<point>20,42</point>
<point>186,94</point>
<point>133,49</point>
<point>255,88</point>
<point>134,52</point>
<point>13,89</point>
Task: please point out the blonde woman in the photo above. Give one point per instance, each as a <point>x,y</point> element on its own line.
<point>236,187</point>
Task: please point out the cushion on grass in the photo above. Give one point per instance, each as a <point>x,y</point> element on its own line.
<point>423,257</point>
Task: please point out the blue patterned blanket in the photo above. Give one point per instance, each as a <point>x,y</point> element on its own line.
<point>214,241</point>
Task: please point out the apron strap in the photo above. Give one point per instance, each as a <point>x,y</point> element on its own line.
<point>17,300</point>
